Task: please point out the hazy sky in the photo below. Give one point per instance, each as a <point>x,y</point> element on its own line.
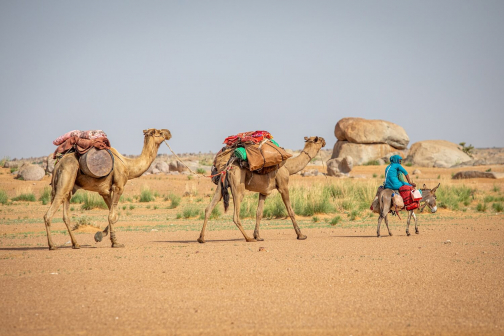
<point>209,69</point>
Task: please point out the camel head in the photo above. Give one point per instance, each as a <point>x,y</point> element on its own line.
<point>315,140</point>
<point>158,135</point>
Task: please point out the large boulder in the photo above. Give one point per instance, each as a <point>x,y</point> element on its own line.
<point>360,153</point>
<point>364,131</point>
<point>339,167</point>
<point>49,163</point>
<point>31,172</point>
<point>469,174</point>
<point>162,166</point>
<point>177,166</point>
<point>436,153</point>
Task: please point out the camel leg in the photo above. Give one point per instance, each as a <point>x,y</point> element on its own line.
<point>98,237</point>
<point>66,219</point>
<point>416,224</point>
<point>238,191</point>
<point>408,223</point>
<point>62,183</point>
<point>259,215</point>
<point>284,192</point>
<point>215,199</point>
<point>113,215</point>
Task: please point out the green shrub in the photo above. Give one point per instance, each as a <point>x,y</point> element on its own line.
<point>4,160</point>
<point>488,199</point>
<point>409,164</point>
<point>201,171</point>
<point>215,214</point>
<point>190,212</point>
<point>93,201</point>
<point>146,195</point>
<point>46,196</point>
<point>372,163</point>
<point>496,188</point>
<point>174,199</point>
<point>481,207</point>
<point>26,197</point>
<point>375,176</point>
<point>4,199</point>
<point>13,169</point>
<point>335,220</point>
<point>497,207</point>
<point>78,197</point>
<point>450,197</point>
<point>274,207</point>
<point>353,215</point>
<point>248,206</point>
<point>315,219</point>
<point>83,221</point>
<point>131,207</point>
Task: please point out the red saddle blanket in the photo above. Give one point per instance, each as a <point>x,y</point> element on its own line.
<point>409,203</point>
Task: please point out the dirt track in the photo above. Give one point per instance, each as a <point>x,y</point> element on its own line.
<point>341,280</point>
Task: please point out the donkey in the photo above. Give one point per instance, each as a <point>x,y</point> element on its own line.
<point>385,198</point>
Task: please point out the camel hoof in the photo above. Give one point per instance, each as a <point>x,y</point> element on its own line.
<point>201,241</point>
<point>76,246</point>
<point>417,232</point>
<point>259,238</point>
<point>52,248</point>
<point>390,234</point>
<point>378,236</point>
<point>408,234</point>
<point>116,245</point>
<point>251,240</point>
<point>98,236</point>
<point>302,237</point>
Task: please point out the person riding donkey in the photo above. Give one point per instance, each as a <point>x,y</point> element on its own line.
<point>395,177</point>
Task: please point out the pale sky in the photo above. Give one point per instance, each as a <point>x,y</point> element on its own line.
<point>209,69</point>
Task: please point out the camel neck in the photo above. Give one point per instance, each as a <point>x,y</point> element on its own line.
<point>138,166</point>
<point>297,163</point>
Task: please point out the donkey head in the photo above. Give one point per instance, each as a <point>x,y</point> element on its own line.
<point>429,197</point>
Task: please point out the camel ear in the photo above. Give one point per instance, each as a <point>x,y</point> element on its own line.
<point>434,190</point>
<point>316,139</point>
<point>149,131</point>
<point>305,138</point>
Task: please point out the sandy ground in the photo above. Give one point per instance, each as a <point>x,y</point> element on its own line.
<point>342,280</point>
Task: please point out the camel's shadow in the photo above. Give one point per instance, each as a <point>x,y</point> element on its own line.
<point>37,248</point>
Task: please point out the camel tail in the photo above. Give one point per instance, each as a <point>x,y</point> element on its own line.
<point>225,192</point>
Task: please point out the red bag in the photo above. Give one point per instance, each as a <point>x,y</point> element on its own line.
<point>412,206</point>
<point>405,192</point>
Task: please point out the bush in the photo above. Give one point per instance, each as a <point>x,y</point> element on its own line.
<point>372,163</point>
<point>201,171</point>
<point>83,221</point>
<point>4,160</point>
<point>481,207</point>
<point>78,197</point>
<point>353,215</point>
<point>93,201</point>
<point>335,220</point>
<point>315,219</point>
<point>3,197</point>
<point>248,206</point>
<point>26,197</point>
<point>46,196</point>
<point>146,195</point>
<point>497,207</point>
<point>190,212</point>
<point>449,197</point>
<point>174,199</point>
<point>488,199</point>
<point>215,214</point>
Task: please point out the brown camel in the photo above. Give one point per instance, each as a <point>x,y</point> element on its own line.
<point>241,179</point>
<point>385,197</point>
<point>67,179</point>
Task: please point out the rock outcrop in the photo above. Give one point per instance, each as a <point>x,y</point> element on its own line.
<point>31,172</point>
<point>339,167</point>
<point>361,153</point>
<point>364,131</point>
<point>469,174</point>
<point>436,153</point>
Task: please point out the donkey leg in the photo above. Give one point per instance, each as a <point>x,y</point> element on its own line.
<point>416,223</point>
<point>408,223</point>
<point>215,199</point>
<point>386,223</point>
<point>259,215</point>
<point>379,224</point>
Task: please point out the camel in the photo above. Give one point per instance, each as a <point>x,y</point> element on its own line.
<point>385,197</point>
<point>67,179</point>
<point>241,179</point>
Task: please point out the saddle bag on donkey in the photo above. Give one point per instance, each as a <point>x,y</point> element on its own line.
<point>410,203</point>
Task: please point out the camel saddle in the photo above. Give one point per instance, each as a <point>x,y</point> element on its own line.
<point>265,155</point>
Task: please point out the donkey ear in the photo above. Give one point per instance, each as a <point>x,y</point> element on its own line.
<point>424,186</point>
<point>434,190</point>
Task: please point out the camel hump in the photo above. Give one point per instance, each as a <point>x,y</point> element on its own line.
<point>97,162</point>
